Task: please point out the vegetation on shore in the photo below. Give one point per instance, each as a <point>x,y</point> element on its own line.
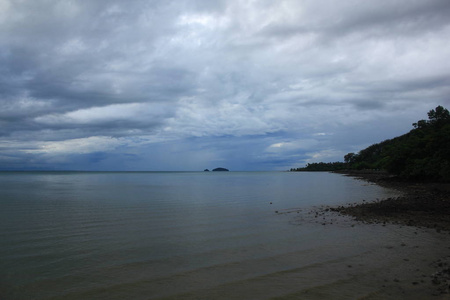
<point>322,166</point>
<point>422,153</point>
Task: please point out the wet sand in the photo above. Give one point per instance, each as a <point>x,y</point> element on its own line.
<point>418,266</point>
<point>360,261</point>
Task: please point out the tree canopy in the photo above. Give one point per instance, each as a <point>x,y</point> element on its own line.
<point>422,153</point>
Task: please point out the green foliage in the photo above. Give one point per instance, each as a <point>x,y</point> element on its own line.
<point>438,117</point>
<point>350,158</point>
<point>422,153</point>
<point>332,166</point>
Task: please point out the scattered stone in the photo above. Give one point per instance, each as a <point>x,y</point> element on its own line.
<point>436,281</point>
<point>423,204</point>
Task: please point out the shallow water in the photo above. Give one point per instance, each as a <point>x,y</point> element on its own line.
<point>151,235</point>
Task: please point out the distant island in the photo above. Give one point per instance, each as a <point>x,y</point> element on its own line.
<point>422,153</point>
<point>220,170</point>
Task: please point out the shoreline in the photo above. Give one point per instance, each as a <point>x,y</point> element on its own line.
<point>422,204</point>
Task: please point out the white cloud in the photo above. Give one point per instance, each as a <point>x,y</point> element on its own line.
<point>72,46</point>
<point>198,117</point>
<point>76,146</point>
<point>327,155</point>
<point>131,112</point>
<point>298,145</point>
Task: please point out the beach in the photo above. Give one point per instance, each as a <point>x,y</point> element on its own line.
<point>422,204</point>
<point>417,266</point>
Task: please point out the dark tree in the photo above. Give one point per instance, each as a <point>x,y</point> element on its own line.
<point>422,153</point>
<point>350,157</point>
<point>438,116</point>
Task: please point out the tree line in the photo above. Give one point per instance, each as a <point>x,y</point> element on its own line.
<point>422,153</point>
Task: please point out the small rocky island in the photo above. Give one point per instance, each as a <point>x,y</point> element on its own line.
<point>220,170</point>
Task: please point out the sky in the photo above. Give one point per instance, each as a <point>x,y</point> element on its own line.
<point>186,85</point>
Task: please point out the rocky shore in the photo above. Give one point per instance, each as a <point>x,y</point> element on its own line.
<point>422,204</point>
<point>410,257</point>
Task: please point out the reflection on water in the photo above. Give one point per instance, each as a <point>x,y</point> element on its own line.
<point>144,235</point>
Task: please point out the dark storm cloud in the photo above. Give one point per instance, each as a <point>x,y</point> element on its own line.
<point>332,20</point>
<point>86,84</point>
<point>391,18</point>
<point>65,56</point>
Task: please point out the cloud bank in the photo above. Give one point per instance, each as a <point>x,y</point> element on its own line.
<point>188,85</point>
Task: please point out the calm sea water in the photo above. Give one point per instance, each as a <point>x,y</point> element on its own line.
<point>155,235</point>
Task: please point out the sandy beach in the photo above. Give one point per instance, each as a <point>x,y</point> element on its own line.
<point>417,265</point>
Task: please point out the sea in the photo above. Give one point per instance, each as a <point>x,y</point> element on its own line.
<point>174,235</point>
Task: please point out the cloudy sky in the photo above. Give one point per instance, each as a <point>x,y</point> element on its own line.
<point>189,85</point>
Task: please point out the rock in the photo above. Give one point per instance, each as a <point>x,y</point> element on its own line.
<point>220,170</point>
